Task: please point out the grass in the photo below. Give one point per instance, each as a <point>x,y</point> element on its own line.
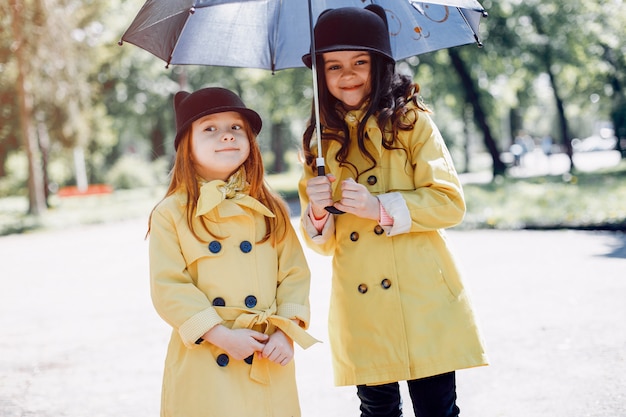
<point>594,200</point>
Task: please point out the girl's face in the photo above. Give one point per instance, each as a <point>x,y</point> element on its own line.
<point>348,76</point>
<point>219,145</point>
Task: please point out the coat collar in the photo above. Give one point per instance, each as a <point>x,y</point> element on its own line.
<point>213,193</point>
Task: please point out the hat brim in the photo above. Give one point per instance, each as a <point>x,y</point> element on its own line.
<point>308,60</point>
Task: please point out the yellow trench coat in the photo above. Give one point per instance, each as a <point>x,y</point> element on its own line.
<point>398,308</point>
<point>259,286</point>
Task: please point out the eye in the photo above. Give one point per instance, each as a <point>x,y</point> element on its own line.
<point>236,127</point>
<point>210,129</point>
<point>361,62</point>
<point>333,67</point>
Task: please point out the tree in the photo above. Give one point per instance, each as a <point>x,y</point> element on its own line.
<point>36,194</point>
<point>473,97</point>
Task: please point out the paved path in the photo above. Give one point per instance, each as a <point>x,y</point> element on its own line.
<point>79,336</point>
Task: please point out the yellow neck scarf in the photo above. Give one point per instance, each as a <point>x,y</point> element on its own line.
<point>236,189</point>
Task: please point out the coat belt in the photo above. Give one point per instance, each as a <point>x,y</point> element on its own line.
<point>248,318</point>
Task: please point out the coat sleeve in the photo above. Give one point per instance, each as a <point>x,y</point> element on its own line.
<point>324,242</point>
<point>175,296</point>
<point>294,279</point>
<point>437,201</point>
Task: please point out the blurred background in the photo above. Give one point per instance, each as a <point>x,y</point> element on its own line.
<point>535,119</point>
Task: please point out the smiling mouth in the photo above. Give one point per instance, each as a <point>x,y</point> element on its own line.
<point>352,87</point>
<point>227,150</point>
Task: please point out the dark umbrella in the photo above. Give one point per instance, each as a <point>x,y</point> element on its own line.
<point>275,34</point>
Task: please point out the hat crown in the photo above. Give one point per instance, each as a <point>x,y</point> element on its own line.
<point>352,28</point>
<point>190,107</point>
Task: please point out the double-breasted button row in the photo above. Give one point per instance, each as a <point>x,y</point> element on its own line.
<point>378,229</point>
<point>216,247</point>
<point>250,301</point>
<point>385,284</point>
<point>223,359</point>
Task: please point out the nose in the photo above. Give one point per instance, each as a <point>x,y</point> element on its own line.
<point>348,71</point>
<point>228,137</point>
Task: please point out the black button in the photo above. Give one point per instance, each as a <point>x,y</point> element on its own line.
<point>222,359</point>
<point>251,301</point>
<point>248,360</point>
<point>379,230</point>
<point>385,283</point>
<point>362,288</point>
<point>215,246</point>
<point>219,302</point>
<point>371,180</point>
<point>245,246</point>
<point>354,236</point>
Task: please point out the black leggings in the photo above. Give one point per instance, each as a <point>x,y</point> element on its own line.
<point>434,396</point>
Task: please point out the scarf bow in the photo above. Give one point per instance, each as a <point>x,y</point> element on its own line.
<point>215,192</point>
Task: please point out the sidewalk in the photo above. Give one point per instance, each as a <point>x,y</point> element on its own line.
<point>80,338</point>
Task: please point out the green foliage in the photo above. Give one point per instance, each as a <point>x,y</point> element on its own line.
<point>14,183</point>
<point>131,171</point>
<point>587,200</point>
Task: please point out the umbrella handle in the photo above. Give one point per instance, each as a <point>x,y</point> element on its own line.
<point>331,209</point>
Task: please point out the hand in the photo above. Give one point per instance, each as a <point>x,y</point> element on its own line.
<point>319,191</point>
<point>237,343</point>
<point>357,200</point>
<point>279,348</point>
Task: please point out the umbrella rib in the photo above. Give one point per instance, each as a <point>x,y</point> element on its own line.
<point>191,12</point>
<point>478,42</point>
<point>275,38</point>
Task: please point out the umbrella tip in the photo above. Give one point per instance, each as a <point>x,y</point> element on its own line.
<point>478,42</point>
<point>485,14</point>
<point>120,42</point>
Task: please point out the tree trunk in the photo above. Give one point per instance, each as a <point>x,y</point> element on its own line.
<point>278,148</point>
<point>44,147</point>
<point>157,140</point>
<point>566,138</point>
<point>467,151</point>
<point>36,194</point>
<point>472,95</point>
<point>618,111</point>
<point>546,56</point>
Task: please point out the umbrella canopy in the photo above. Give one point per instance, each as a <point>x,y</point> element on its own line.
<point>274,34</point>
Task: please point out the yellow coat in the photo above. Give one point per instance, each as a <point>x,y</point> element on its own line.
<point>259,286</point>
<point>398,308</point>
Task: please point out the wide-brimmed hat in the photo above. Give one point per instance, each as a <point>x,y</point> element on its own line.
<point>189,107</point>
<point>352,29</point>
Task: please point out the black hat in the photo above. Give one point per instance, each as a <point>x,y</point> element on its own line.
<point>352,29</point>
<point>189,107</point>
